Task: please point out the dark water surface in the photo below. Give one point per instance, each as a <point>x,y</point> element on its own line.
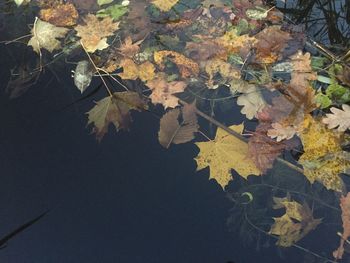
<point>126,199</point>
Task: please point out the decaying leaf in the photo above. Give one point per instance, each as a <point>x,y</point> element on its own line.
<point>83,75</point>
<point>95,32</point>
<point>281,132</point>
<point>225,69</point>
<point>323,159</point>
<point>129,49</point>
<point>223,154</point>
<point>345,216</point>
<point>45,35</point>
<point>338,118</point>
<point>186,66</point>
<point>164,5</point>
<point>163,90</point>
<point>116,110</point>
<point>296,223</point>
<point>60,15</point>
<point>145,71</point>
<point>172,130</point>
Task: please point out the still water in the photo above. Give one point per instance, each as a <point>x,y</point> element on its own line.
<point>169,185</point>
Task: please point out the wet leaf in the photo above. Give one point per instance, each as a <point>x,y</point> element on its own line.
<point>345,216</point>
<point>144,71</point>
<point>104,2</point>
<point>113,11</point>
<point>164,5</point>
<point>60,15</point>
<point>83,75</point>
<point>95,32</point>
<point>163,90</point>
<point>186,66</point>
<point>296,223</point>
<point>45,35</point>
<point>223,154</point>
<point>114,110</point>
<point>21,2</point>
<point>280,132</point>
<point>338,118</point>
<point>323,159</point>
<point>128,48</point>
<point>174,131</point>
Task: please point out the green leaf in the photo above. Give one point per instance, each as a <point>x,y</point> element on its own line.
<point>323,100</point>
<point>104,2</point>
<point>114,11</point>
<point>338,93</point>
<point>324,79</point>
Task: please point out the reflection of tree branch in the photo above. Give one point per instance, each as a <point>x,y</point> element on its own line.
<point>3,241</point>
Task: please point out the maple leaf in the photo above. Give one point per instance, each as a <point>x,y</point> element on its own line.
<point>323,159</point>
<point>295,224</point>
<point>338,118</point>
<point>263,150</point>
<point>251,98</point>
<point>173,131</point>
<point>164,5</point>
<point>129,49</point>
<point>345,216</point>
<point>162,91</point>
<point>233,42</point>
<point>116,110</point>
<point>223,154</point>
<point>95,32</point>
<point>45,36</point>
<point>60,15</point>
<point>145,71</point>
<point>186,66</point>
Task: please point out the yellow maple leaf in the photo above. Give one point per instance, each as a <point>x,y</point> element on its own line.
<point>323,159</point>
<point>233,42</point>
<point>224,153</point>
<point>164,5</point>
<point>145,71</point>
<point>95,32</point>
<point>295,224</point>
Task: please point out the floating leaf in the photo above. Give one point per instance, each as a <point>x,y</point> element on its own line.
<point>145,71</point>
<point>164,5</point>
<point>129,49</point>
<point>338,118</point>
<point>223,154</point>
<point>345,216</point>
<point>60,15</point>
<point>323,159</point>
<point>44,35</point>
<point>113,11</point>
<point>116,110</point>
<point>296,223</point>
<point>163,90</point>
<point>173,131</point>
<point>281,132</point>
<point>104,2</point>
<point>95,32</point>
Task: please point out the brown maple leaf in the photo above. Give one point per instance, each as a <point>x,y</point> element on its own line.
<point>116,110</point>
<point>128,48</point>
<point>95,32</point>
<point>60,15</point>
<point>172,130</point>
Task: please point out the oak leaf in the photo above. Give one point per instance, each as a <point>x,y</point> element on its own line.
<point>174,131</point>
<point>163,91</point>
<point>223,154</point>
<point>116,110</point>
<point>281,132</point>
<point>60,15</point>
<point>45,35</point>
<point>338,118</point>
<point>145,71</point>
<point>95,32</point>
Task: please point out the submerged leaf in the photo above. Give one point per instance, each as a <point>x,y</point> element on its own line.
<point>223,154</point>
<point>145,71</point>
<point>83,75</point>
<point>60,15</point>
<point>164,5</point>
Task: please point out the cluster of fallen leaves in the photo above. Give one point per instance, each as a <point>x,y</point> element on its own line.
<point>235,46</point>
